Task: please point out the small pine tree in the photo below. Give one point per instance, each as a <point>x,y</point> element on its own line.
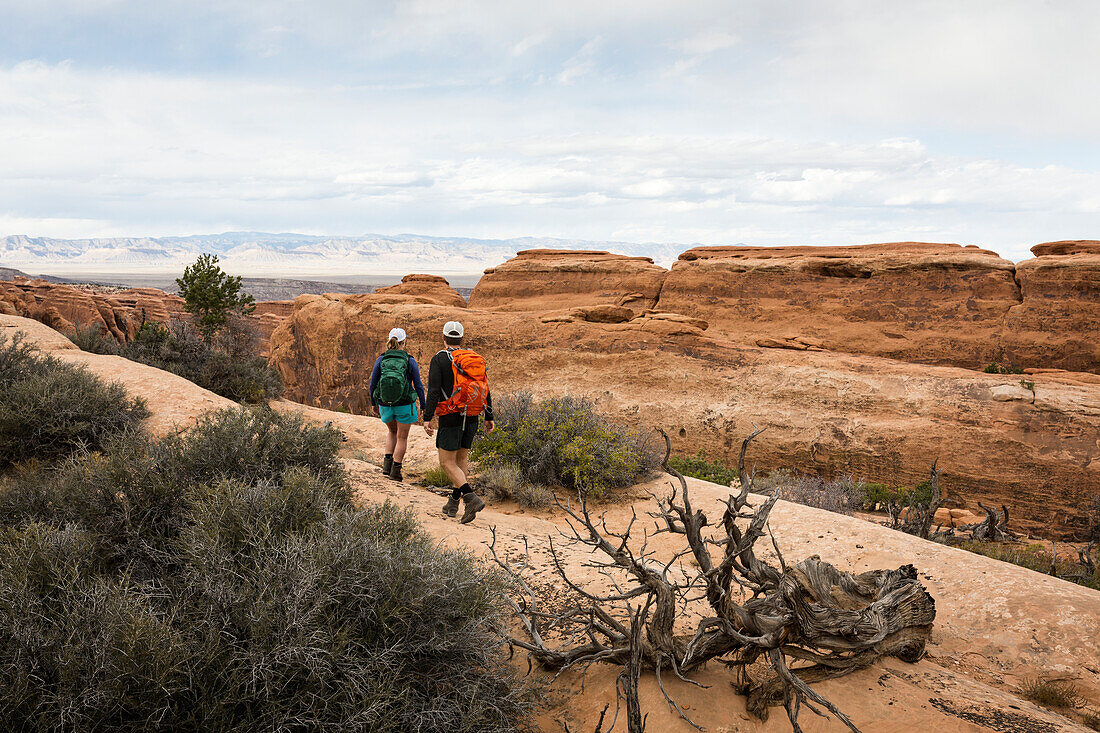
<point>211,295</point>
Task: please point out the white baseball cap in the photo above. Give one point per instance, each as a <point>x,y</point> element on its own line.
<point>452,329</point>
<point>398,333</point>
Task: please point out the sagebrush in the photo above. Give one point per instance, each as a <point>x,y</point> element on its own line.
<point>505,481</point>
<point>48,408</point>
<point>563,441</point>
<point>227,362</point>
<point>223,580</point>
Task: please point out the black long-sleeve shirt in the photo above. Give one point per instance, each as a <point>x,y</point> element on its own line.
<point>441,383</point>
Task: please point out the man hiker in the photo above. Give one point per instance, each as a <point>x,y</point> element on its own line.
<point>458,394</point>
<point>394,388</point>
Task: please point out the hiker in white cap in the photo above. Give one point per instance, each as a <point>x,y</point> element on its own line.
<point>394,388</point>
<point>458,394</point>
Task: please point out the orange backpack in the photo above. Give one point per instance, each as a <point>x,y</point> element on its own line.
<point>471,385</point>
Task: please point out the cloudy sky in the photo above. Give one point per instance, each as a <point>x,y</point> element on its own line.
<point>771,122</point>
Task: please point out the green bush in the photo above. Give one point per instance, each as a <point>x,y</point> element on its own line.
<point>228,363</point>
<point>878,495</point>
<point>154,585</point>
<point>505,481</point>
<point>92,339</point>
<point>436,477</point>
<point>48,409</point>
<point>996,368</point>
<point>717,472</point>
<point>563,441</point>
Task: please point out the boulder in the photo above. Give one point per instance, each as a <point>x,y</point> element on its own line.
<point>545,279</point>
<point>1012,393</point>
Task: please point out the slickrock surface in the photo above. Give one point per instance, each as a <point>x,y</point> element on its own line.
<point>1035,448</point>
<point>433,287</point>
<point>548,279</point>
<point>1058,322</point>
<point>65,307</point>
<point>173,401</point>
<point>996,624</point>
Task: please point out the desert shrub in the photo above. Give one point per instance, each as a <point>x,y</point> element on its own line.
<point>717,472</point>
<point>843,494</point>
<point>1036,557</point>
<point>91,338</point>
<point>49,409</point>
<point>767,482</point>
<point>878,495</point>
<point>153,586</point>
<point>436,477</point>
<point>227,363</point>
<point>997,368</point>
<point>505,481</point>
<point>564,441</point>
<point>1091,719</point>
<point>1052,693</point>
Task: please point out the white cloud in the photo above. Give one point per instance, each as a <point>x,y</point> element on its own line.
<point>824,123</point>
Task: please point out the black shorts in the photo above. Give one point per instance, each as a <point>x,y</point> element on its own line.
<point>456,437</point>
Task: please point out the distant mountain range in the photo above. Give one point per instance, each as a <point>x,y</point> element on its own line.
<point>292,255</point>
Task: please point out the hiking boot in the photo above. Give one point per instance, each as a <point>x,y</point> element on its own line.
<point>474,504</point>
<point>387,465</point>
<point>395,472</point>
<point>451,507</point>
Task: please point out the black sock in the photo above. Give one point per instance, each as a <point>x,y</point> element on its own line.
<point>389,456</point>
<point>397,465</point>
<point>458,491</point>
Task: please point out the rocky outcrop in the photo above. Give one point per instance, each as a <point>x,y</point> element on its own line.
<point>880,419</point>
<point>915,301</point>
<point>547,279</point>
<point>119,312</point>
<point>432,287</point>
<point>1057,324</point>
<point>930,303</point>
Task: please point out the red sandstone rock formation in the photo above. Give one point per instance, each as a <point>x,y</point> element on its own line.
<point>931,303</point>
<point>432,287</point>
<point>546,279</point>
<point>1058,322</point>
<point>66,307</point>
<point>876,418</point>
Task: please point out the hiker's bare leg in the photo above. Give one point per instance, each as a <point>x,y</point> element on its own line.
<point>448,461</point>
<point>462,456</point>
<point>391,437</point>
<point>401,442</point>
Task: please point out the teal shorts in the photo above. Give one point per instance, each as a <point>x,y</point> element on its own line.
<point>404,414</point>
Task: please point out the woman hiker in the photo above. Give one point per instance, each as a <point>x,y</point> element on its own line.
<point>394,388</point>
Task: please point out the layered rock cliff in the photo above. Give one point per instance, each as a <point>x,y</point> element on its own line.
<point>929,303</point>
<point>1036,448</point>
<point>1057,324</point>
<point>545,279</point>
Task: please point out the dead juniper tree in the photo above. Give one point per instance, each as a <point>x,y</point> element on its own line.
<point>918,514</point>
<point>993,528</point>
<point>780,628</point>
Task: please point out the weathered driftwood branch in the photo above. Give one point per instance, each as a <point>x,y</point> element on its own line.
<point>804,623</point>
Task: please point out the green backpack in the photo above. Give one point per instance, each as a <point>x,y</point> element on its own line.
<point>394,386</point>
